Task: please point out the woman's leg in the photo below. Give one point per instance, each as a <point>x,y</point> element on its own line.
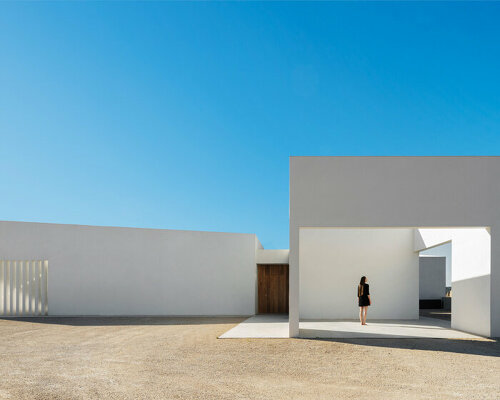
<point>365,309</point>
<point>361,315</point>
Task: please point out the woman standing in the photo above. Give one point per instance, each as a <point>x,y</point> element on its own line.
<point>363,299</point>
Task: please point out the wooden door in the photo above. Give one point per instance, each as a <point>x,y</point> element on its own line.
<point>272,288</point>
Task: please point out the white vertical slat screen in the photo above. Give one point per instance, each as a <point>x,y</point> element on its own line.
<point>19,288</point>
<point>13,288</point>
<point>24,287</point>
<point>39,283</point>
<point>7,288</point>
<point>2,296</point>
<point>46,290</point>
<point>33,287</point>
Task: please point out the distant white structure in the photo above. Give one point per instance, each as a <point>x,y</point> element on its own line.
<point>443,250</point>
<point>432,278</point>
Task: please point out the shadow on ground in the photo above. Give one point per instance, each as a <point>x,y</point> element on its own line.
<point>486,347</point>
<point>124,321</point>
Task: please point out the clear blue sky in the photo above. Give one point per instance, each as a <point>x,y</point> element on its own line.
<point>183,115</point>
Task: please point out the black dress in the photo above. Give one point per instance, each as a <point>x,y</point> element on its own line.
<point>363,300</point>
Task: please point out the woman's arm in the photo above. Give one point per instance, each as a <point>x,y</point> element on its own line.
<point>370,300</point>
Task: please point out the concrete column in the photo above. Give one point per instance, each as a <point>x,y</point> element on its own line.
<point>293,308</point>
<point>495,281</point>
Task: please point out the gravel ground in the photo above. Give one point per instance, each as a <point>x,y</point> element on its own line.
<point>181,358</point>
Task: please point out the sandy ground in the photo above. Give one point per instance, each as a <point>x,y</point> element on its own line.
<point>165,358</point>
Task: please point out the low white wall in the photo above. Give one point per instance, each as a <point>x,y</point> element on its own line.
<point>332,262</point>
<point>130,271</point>
<point>432,276</point>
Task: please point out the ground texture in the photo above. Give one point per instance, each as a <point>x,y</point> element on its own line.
<point>173,358</point>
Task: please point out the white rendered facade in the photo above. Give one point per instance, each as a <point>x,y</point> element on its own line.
<point>332,260</point>
<point>131,271</point>
<point>406,192</point>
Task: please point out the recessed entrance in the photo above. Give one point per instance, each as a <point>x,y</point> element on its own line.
<point>332,260</point>
<point>272,288</point>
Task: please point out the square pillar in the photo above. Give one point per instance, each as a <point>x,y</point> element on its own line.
<point>293,309</point>
<point>495,281</point>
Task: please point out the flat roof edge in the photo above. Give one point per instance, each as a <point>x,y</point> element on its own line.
<point>123,227</point>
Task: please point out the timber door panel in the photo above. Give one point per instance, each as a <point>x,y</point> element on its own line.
<point>272,288</point>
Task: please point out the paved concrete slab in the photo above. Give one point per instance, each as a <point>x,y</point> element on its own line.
<point>276,326</point>
<point>429,328</point>
<point>270,326</point>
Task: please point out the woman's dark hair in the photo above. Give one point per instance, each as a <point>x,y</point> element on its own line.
<point>361,286</point>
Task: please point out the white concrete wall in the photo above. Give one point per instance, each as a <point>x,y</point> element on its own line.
<point>332,262</point>
<point>443,250</point>
<point>272,256</point>
<point>395,192</point>
<point>128,271</point>
<point>470,274</point>
<point>432,277</point>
